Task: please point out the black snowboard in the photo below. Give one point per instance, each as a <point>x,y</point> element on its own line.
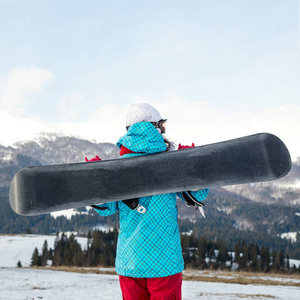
<point>44,189</point>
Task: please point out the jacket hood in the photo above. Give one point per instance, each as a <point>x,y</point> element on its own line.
<point>143,137</point>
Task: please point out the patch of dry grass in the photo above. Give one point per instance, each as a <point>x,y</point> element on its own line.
<point>38,288</point>
<point>79,270</point>
<point>242,277</point>
<point>204,276</point>
<point>238,296</point>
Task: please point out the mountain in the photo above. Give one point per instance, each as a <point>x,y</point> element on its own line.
<point>16,128</point>
<point>285,191</point>
<point>50,149</point>
<point>54,149</point>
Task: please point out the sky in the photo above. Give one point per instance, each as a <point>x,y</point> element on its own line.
<point>216,69</point>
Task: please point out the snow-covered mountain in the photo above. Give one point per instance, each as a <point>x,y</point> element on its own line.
<point>50,148</point>
<point>50,144</point>
<point>16,128</point>
<point>285,191</point>
<point>55,148</point>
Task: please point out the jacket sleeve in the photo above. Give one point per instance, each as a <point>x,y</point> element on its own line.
<point>198,195</point>
<point>107,209</point>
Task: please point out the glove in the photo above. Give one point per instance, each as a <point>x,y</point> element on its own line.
<point>192,201</point>
<point>184,147</point>
<point>93,159</point>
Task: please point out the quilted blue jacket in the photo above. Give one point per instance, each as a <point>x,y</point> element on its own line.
<point>148,244</point>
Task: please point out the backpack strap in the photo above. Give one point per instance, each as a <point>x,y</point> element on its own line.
<point>135,205</point>
<point>131,203</point>
<point>190,200</point>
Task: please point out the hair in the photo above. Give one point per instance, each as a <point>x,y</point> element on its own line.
<point>167,142</point>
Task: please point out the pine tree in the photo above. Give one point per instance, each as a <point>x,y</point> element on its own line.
<point>44,256</point>
<point>253,257</point>
<point>237,251</point>
<point>36,259</point>
<point>244,259</point>
<point>281,261</point>
<point>287,261</point>
<point>202,250</point>
<point>275,261</point>
<point>265,259</point>
<point>223,255</point>
<point>89,240</point>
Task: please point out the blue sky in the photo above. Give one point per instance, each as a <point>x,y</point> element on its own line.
<point>220,68</point>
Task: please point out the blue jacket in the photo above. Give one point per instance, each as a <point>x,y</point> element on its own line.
<point>148,244</point>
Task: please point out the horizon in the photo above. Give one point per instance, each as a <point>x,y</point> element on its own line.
<point>86,131</point>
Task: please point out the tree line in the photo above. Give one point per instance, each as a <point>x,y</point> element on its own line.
<point>101,251</point>
<point>206,254</point>
<point>268,221</point>
<point>197,253</point>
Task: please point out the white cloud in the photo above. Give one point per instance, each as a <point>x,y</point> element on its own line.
<point>201,123</point>
<point>20,85</point>
<point>195,122</point>
<point>70,106</point>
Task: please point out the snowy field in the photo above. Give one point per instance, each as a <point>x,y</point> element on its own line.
<point>28,284</point>
<point>14,248</point>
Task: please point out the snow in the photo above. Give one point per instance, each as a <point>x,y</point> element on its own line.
<point>68,213</point>
<point>23,129</point>
<point>290,235</point>
<point>47,284</point>
<point>294,186</point>
<point>104,228</point>
<point>26,283</point>
<point>20,128</point>
<point>294,262</point>
<point>14,248</point>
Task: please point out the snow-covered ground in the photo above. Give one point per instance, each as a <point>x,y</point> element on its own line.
<point>290,235</point>
<point>68,213</point>
<point>25,284</point>
<point>14,248</point>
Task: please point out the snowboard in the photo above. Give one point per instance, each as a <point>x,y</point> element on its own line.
<point>43,189</point>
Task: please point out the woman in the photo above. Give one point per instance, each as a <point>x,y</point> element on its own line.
<point>149,257</point>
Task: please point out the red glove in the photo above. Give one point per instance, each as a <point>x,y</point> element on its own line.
<point>93,159</point>
<point>183,147</point>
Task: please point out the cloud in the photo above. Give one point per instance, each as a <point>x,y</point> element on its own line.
<point>20,85</point>
<point>70,106</point>
<point>202,123</point>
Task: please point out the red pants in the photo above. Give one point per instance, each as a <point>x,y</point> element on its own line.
<point>163,288</point>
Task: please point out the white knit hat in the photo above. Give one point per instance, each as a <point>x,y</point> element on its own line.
<point>142,112</point>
